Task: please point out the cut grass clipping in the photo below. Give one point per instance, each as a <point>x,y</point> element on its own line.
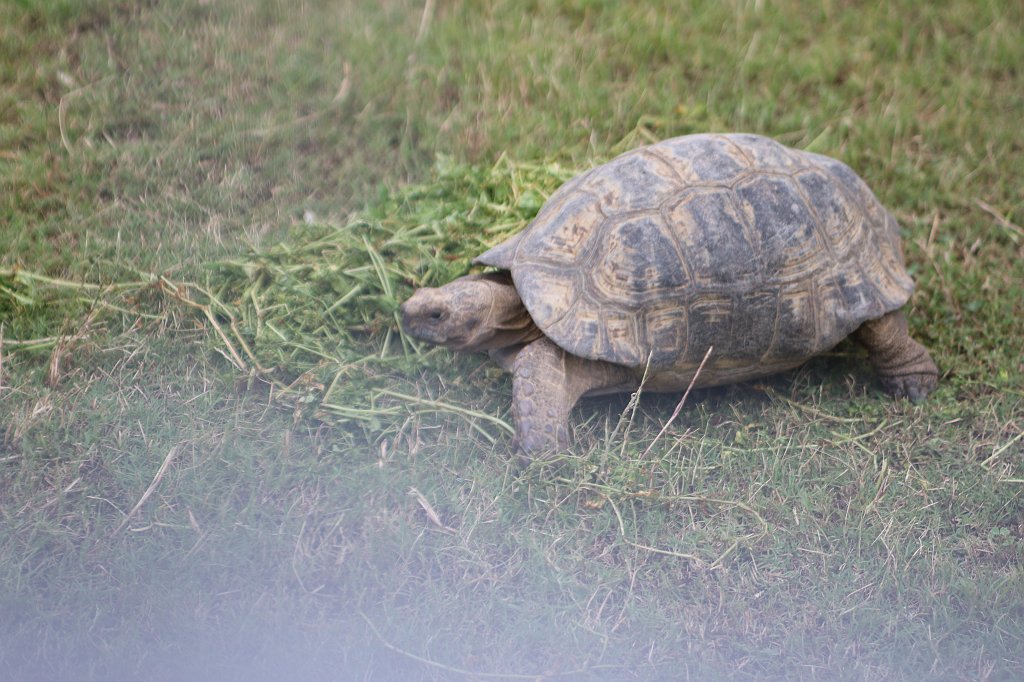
<point>316,316</point>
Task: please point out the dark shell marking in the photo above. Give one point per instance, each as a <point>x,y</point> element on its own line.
<point>768,253</point>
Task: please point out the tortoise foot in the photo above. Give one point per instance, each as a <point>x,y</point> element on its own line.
<point>539,443</point>
<point>546,383</point>
<point>904,366</point>
<point>915,387</point>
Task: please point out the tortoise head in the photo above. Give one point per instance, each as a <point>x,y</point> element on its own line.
<point>476,312</point>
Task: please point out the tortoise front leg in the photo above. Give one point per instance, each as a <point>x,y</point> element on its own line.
<point>546,383</point>
<point>903,365</point>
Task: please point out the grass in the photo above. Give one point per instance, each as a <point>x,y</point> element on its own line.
<point>220,460</point>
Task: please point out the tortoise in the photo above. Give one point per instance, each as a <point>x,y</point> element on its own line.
<point>632,270</point>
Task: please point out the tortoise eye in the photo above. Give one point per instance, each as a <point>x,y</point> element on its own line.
<point>438,315</point>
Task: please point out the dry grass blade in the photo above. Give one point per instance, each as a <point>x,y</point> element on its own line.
<point>20,298</point>
<point>179,292</point>
<point>32,344</point>
<point>349,412</point>
<point>22,275</point>
<point>719,561</point>
<point>58,358</point>
<point>428,14</point>
<point>682,401</point>
<point>629,413</point>
<point>1,356</point>
<point>473,674</point>
<point>168,460</point>
<point>469,415</point>
<point>429,510</point>
<point>647,548</point>
<point>1001,449</point>
<point>1015,231</point>
<point>775,395</point>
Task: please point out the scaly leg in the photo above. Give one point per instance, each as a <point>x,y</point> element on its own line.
<point>902,364</point>
<point>546,383</point>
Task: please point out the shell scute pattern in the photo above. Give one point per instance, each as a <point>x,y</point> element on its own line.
<point>621,337</point>
<point>706,160</point>
<point>843,224</point>
<point>871,235</point>
<point>747,341</point>
<point>554,295</point>
<point>768,155</point>
<point>640,263</point>
<point>785,226</point>
<point>769,254</point>
<point>710,322</point>
<point>665,328</point>
<point>583,323</point>
<point>887,270</point>
<point>797,313</point>
<point>713,234</point>
<point>634,182</point>
<point>561,235</point>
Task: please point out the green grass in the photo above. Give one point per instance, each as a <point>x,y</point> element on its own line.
<point>209,214</point>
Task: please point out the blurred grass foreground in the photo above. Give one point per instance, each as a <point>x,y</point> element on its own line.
<point>220,459</point>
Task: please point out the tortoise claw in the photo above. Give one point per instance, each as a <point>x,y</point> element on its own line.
<point>534,443</point>
<point>915,387</point>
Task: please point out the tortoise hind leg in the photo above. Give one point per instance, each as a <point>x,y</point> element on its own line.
<point>903,365</point>
<point>546,383</point>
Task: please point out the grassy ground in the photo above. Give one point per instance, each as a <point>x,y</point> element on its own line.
<point>172,506</point>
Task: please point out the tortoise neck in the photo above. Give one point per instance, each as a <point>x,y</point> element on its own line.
<point>509,321</point>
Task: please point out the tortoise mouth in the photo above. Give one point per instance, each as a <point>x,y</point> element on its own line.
<point>426,322</point>
<point>411,321</point>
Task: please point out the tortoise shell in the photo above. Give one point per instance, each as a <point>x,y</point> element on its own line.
<point>768,253</point>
